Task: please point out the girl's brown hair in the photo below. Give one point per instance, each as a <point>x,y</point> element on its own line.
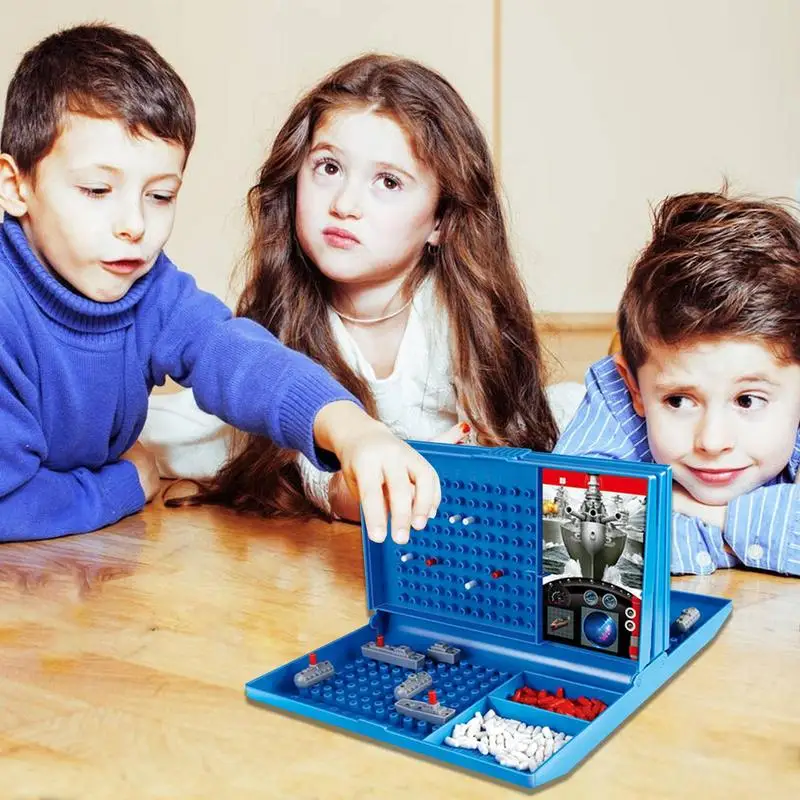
<point>715,266</point>
<point>496,352</point>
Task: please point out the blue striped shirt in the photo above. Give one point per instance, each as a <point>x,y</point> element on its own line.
<point>762,528</point>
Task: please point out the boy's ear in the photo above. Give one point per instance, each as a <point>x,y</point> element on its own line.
<point>626,373</point>
<point>12,187</point>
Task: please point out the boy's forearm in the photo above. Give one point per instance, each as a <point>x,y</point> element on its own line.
<point>763,528</point>
<point>239,371</point>
<point>249,379</point>
<point>698,548</point>
<point>55,504</point>
<point>760,529</point>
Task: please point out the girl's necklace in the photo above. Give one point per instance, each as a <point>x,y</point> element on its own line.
<point>375,320</point>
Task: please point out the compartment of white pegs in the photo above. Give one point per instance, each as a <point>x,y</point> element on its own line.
<point>523,742</point>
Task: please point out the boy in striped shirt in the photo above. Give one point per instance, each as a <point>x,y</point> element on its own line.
<point>708,380</point>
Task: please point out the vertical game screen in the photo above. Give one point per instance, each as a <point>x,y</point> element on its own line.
<point>593,533</point>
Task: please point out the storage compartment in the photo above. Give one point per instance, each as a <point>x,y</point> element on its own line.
<point>527,745</point>
<point>572,691</point>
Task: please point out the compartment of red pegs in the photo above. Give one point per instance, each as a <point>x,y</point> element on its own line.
<point>587,708</point>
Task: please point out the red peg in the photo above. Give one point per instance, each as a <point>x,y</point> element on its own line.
<point>432,697</point>
<point>312,659</point>
<point>498,573</point>
<point>429,562</point>
<point>379,640</point>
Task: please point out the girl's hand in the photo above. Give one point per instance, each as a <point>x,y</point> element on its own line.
<point>684,503</point>
<point>381,470</point>
<point>458,434</point>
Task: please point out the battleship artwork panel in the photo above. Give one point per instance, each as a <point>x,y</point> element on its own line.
<point>591,531</point>
<point>593,559</point>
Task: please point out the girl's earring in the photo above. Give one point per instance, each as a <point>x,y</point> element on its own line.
<point>432,249</point>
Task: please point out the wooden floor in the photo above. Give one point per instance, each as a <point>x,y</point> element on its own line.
<point>124,655</point>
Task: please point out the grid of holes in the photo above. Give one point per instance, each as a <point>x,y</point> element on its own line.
<point>364,689</point>
<point>480,528</point>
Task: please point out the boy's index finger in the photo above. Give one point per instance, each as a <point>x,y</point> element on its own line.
<point>437,494</point>
<point>401,492</point>
<point>373,506</point>
<point>427,494</point>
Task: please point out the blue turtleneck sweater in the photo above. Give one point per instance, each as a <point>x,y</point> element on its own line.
<point>75,376</point>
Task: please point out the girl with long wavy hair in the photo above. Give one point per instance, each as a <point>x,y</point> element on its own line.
<point>379,248</point>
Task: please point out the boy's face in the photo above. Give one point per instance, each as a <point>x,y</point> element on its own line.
<point>722,413</point>
<point>101,205</point>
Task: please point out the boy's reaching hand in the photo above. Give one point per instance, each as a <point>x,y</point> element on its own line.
<point>344,503</point>
<point>145,463</point>
<point>380,469</point>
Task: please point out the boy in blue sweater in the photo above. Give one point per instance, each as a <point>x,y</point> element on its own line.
<point>708,380</point>
<point>96,134</point>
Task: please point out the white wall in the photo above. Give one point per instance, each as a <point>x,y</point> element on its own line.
<point>597,109</point>
<point>607,107</point>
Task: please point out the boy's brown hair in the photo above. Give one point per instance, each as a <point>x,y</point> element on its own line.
<point>99,71</point>
<point>715,266</point>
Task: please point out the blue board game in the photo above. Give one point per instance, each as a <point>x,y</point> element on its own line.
<point>529,619</point>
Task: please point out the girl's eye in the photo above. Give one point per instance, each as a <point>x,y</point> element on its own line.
<point>95,191</point>
<point>750,402</point>
<point>326,166</point>
<point>164,198</point>
<point>390,182</point>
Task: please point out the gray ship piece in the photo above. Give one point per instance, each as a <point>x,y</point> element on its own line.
<point>413,685</point>
<point>444,653</point>
<point>435,713</point>
<point>314,674</point>
<point>687,619</point>
<point>397,656</point>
